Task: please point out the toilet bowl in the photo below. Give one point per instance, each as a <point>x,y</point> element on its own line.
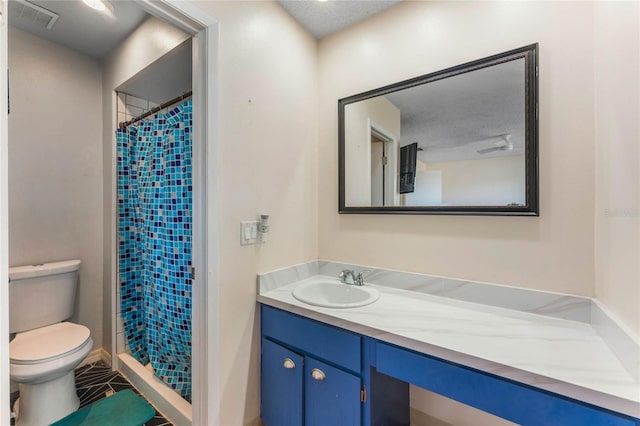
<point>42,363</point>
<point>46,348</point>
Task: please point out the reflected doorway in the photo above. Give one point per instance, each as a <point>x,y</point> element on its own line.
<point>384,156</point>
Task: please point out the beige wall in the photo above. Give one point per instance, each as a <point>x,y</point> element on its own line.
<point>617,135</point>
<point>149,42</point>
<point>552,252</point>
<point>432,409</point>
<point>494,181</point>
<point>268,164</point>
<point>360,116</point>
<point>55,169</point>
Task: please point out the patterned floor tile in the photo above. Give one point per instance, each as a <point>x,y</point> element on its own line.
<point>95,381</point>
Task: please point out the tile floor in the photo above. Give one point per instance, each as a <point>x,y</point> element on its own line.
<point>94,381</point>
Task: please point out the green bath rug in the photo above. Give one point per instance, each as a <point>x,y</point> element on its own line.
<point>123,408</point>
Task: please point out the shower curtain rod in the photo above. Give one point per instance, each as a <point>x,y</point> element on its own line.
<point>124,124</point>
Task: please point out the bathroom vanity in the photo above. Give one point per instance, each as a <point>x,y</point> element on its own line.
<point>353,366</point>
<point>309,366</point>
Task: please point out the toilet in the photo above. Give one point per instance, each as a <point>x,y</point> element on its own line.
<point>46,348</point>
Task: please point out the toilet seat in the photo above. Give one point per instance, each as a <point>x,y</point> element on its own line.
<point>48,343</point>
<point>46,353</point>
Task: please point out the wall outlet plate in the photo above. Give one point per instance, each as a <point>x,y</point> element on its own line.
<point>248,232</point>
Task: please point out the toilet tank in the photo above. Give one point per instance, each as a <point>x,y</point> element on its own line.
<point>41,295</point>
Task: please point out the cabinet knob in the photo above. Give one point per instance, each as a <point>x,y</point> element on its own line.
<point>288,363</point>
<point>318,374</point>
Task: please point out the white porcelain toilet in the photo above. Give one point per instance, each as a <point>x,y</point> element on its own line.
<point>45,349</point>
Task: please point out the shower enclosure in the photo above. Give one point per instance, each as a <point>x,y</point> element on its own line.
<point>155,240</point>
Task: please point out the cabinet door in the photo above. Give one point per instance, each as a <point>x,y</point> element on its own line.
<point>281,385</point>
<point>332,396</point>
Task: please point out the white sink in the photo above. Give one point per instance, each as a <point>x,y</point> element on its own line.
<point>331,293</point>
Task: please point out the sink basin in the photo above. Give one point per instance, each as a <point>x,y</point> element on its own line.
<point>331,293</point>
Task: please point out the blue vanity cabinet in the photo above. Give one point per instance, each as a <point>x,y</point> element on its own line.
<point>316,374</point>
<point>281,385</point>
<point>331,396</point>
<point>310,372</point>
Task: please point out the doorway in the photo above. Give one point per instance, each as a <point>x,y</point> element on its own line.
<point>203,30</point>
<point>384,167</point>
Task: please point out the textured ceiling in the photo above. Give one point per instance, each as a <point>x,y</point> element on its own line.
<point>322,18</point>
<point>81,28</point>
<point>102,32</point>
<point>453,118</point>
<point>97,34</point>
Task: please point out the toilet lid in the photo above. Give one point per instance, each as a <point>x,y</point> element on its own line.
<point>47,342</point>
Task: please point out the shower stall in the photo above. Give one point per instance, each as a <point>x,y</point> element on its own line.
<point>154,247</point>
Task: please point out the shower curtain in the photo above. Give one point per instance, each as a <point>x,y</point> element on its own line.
<point>154,209</point>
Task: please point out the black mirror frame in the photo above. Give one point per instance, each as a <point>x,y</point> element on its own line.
<point>531,207</point>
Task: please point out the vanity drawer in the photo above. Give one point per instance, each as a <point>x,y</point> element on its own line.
<point>312,337</point>
<point>505,398</point>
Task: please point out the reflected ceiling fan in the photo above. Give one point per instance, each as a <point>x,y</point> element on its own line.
<point>502,144</point>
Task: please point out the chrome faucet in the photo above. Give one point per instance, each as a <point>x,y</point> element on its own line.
<point>348,276</point>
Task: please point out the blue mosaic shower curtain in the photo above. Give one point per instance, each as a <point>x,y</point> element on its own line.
<point>154,207</point>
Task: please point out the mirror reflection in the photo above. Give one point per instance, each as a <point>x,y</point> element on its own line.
<point>459,141</point>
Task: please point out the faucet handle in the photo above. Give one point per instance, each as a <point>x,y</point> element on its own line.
<point>360,278</point>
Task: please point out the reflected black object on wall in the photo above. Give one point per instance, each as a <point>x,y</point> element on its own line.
<point>408,156</point>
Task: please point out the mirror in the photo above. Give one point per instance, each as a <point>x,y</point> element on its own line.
<point>457,141</point>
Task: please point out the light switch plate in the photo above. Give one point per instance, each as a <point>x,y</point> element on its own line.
<point>248,232</point>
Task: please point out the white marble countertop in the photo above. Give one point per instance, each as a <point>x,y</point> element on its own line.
<point>563,356</point>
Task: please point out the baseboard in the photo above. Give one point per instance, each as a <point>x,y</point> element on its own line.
<point>106,357</point>
<point>97,355</point>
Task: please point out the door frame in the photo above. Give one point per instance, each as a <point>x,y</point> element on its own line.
<point>205,314</point>
<point>5,410</point>
<point>391,171</point>
<point>205,248</point>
